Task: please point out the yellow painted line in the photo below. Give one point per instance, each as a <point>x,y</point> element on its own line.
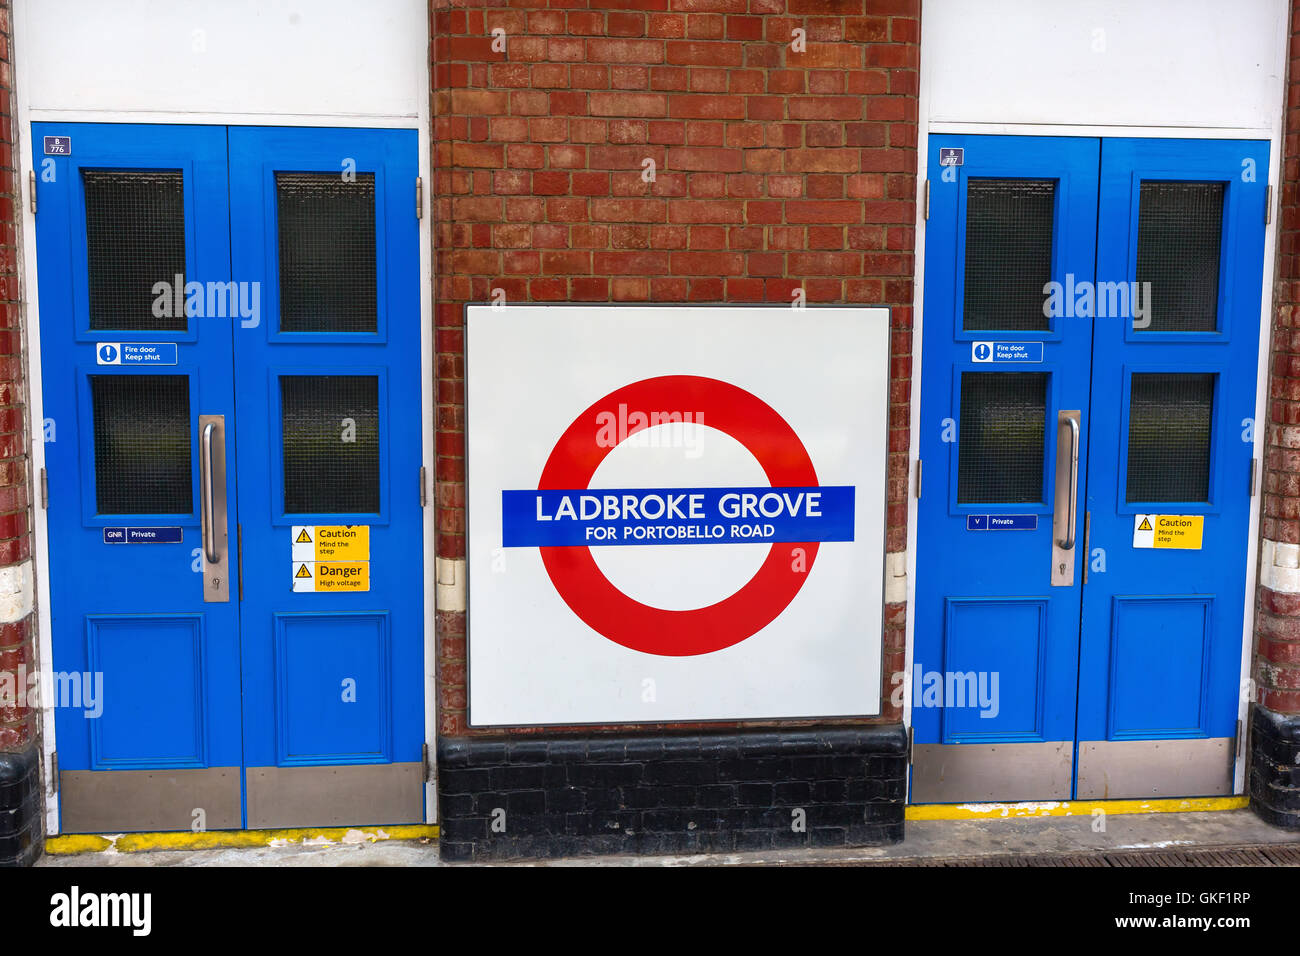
<point>77,843</point>
<point>1069,808</point>
<point>323,836</point>
<point>221,839</point>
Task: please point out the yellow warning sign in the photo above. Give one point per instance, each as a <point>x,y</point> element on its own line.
<point>1177,532</point>
<point>331,542</point>
<point>343,576</point>
<point>331,576</point>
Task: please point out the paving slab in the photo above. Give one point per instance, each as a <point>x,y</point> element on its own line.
<point>927,842</point>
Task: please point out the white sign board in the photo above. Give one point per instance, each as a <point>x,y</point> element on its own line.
<point>675,514</point>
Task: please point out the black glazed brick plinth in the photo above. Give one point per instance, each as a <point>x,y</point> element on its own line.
<point>512,798</point>
<point>1275,768</point>
<point>20,808</point>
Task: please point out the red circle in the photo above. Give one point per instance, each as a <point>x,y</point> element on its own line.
<point>652,630</point>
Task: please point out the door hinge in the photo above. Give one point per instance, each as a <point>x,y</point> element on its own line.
<point>918,478</point>
<point>31,188</point>
<point>426,765</point>
<point>1254,473</point>
<point>1268,204</point>
<point>45,491</point>
<point>419,198</point>
<point>424,492</point>
<point>909,744</point>
<point>239,556</point>
<point>54,774</point>
<point>927,199</point>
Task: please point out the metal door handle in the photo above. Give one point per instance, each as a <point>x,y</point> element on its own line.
<point>1065,503</point>
<point>209,506</point>
<point>212,490</point>
<point>1072,519</point>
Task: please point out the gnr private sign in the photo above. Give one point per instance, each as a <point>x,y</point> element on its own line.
<point>718,555</point>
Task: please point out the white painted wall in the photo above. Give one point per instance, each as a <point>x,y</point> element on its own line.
<point>1166,63</point>
<point>270,57</point>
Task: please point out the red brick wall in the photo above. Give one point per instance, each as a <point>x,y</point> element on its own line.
<point>775,169</point>
<point>18,725</point>
<point>1277,624</point>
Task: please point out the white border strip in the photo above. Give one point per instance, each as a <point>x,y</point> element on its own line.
<point>914,394</point>
<point>1148,132</point>
<point>323,121</point>
<point>1262,377</point>
<point>35,405</point>
<point>428,432</point>
<point>23,118</point>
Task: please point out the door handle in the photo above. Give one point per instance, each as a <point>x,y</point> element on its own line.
<point>1065,503</point>
<point>205,483</point>
<point>212,507</point>
<point>1071,520</point>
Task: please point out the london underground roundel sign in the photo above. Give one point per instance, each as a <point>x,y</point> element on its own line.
<point>609,582</point>
<point>638,626</point>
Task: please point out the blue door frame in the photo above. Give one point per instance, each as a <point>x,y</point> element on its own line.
<point>271,706</point>
<point>1114,667</point>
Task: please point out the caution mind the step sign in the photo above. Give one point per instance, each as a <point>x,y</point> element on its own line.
<point>1179,532</point>
<point>330,542</point>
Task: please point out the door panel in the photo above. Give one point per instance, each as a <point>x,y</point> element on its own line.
<point>333,703</point>
<point>1152,354</point>
<point>999,375</point>
<point>131,207</point>
<point>1173,395</point>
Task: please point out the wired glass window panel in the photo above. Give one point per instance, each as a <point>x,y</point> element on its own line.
<point>327,252</point>
<point>1179,236</point>
<point>1169,420</point>
<point>1001,437</point>
<point>331,443</point>
<point>1009,225</point>
<point>142,444</point>
<point>135,238</point>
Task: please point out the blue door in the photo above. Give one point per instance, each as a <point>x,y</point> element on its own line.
<point>1091,331</point>
<point>229,342</point>
<point>1169,477</point>
<point>327,391</point>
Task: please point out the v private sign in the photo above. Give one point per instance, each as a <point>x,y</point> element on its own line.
<point>664,523</point>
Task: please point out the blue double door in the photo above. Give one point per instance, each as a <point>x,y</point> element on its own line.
<point>230,373</point>
<point>1091,339</point>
